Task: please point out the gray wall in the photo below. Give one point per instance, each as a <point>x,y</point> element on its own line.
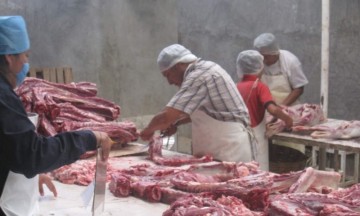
<point>219,29</point>
<point>115,43</point>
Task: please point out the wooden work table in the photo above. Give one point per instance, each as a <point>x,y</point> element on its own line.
<point>325,145</point>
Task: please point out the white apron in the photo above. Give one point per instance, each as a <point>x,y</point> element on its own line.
<point>280,88</point>
<point>225,141</point>
<point>263,145</point>
<point>20,195</point>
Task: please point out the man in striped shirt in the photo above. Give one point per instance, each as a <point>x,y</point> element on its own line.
<point>209,99</point>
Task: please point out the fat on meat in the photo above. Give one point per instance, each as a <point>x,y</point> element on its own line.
<point>347,130</point>
<point>155,155</point>
<point>302,115</point>
<point>315,180</point>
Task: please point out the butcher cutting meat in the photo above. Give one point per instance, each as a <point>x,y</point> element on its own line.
<point>209,99</point>
<point>23,152</point>
<point>282,73</point>
<point>258,99</point>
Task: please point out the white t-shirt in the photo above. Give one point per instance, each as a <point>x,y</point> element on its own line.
<point>289,65</point>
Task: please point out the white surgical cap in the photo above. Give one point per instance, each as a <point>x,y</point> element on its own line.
<point>266,44</point>
<point>13,35</point>
<point>174,54</point>
<point>249,62</point>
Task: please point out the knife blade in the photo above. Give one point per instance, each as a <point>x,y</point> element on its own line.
<point>100,184</point>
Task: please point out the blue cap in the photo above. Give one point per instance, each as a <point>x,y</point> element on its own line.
<point>13,35</point>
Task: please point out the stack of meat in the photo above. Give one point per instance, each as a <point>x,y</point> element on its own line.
<point>346,130</point>
<point>309,117</point>
<point>74,106</point>
<point>237,189</point>
<point>302,115</point>
<point>222,188</point>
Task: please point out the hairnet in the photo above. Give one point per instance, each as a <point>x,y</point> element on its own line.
<point>174,54</point>
<point>13,35</point>
<point>266,44</point>
<point>249,62</point>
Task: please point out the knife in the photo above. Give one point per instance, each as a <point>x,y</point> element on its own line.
<point>100,184</point>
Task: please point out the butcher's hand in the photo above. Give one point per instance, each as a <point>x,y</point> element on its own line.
<point>104,142</point>
<point>45,179</point>
<point>288,125</point>
<point>146,134</point>
<point>169,131</point>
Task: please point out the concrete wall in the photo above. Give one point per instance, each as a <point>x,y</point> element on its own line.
<point>219,29</point>
<point>112,43</point>
<point>115,43</point>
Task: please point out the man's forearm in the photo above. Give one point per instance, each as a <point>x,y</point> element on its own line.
<point>293,96</point>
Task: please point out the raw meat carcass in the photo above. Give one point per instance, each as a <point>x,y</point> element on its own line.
<point>347,130</point>
<point>120,185</point>
<point>337,210</point>
<point>302,114</point>
<point>207,206</point>
<point>75,106</point>
<point>155,154</point>
<point>254,190</point>
<point>315,180</point>
<point>294,204</point>
<point>81,172</point>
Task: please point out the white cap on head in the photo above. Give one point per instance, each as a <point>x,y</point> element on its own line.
<point>174,54</point>
<point>249,62</point>
<point>266,44</point>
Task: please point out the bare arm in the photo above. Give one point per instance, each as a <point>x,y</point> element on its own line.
<point>161,121</point>
<point>278,113</point>
<point>293,96</point>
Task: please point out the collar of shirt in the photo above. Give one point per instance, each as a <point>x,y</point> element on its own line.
<point>190,67</point>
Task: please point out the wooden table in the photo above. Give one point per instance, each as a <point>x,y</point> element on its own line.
<point>327,145</point>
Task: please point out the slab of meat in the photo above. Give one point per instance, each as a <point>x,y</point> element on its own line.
<point>119,185</point>
<point>207,206</point>
<point>254,190</point>
<point>120,132</point>
<point>347,130</point>
<point>337,210</point>
<point>302,114</point>
<point>307,204</point>
<point>315,180</point>
<point>352,193</point>
<point>155,154</point>
<point>282,182</point>
<point>75,106</point>
<point>81,172</point>
<point>146,182</point>
<point>170,195</point>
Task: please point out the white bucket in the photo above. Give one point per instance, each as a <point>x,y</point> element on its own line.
<point>34,118</point>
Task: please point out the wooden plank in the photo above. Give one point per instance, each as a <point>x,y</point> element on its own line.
<point>59,75</point>
<point>68,75</point>
<point>32,72</point>
<point>52,75</point>
<point>46,74</point>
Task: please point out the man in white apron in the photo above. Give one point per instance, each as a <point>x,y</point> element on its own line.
<point>209,99</point>
<point>258,99</point>
<point>282,74</point>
